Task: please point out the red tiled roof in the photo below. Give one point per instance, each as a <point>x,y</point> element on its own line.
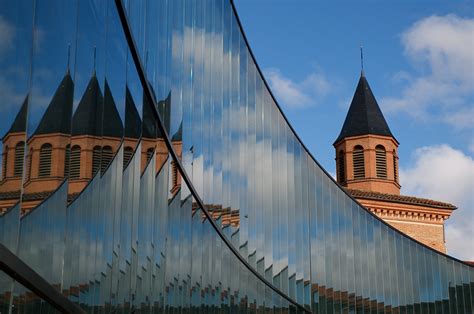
<point>399,199</point>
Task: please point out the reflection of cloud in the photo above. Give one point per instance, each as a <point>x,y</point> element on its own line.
<point>7,32</point>
<point>444,173</point>
<point>10,98</point>
<point>298,94</point>
<point>444,44</point>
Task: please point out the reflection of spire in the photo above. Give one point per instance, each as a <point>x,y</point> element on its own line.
<point>68,57</point>
<point>57,117</point>
<point>19,124</point>
<point>87,117</point>
<point>150,124</point>
<point>95,56</point>
<point>111,122</point>
<point>133,123</point>
<point>178,136</point>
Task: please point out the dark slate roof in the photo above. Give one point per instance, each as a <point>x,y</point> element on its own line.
<point>133,123</point>
<point>112,123</point>
<point>87,120</point>
<point>19,124</point>
<point>400,199</point>
<point>364,115</point>
<point>57,117</point>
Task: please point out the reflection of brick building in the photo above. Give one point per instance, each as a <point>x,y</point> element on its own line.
<point>367,165</point>
<point>77,146</point>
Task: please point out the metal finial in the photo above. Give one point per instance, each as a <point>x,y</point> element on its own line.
<point>361,61</point>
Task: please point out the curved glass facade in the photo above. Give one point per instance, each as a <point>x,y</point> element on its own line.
<point>173,181</point>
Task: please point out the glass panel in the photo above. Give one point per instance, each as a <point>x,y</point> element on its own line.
<point>108,219</point>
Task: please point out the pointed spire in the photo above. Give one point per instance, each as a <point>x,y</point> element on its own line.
<point>364,116</point>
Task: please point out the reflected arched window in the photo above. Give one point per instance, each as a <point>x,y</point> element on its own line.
<point>149,154</point>
<point>29,158</point>
<point>107,156</point>
<point>75,162</point>
<point>19,155</point>
<point>67,160</point>
<point>174,173</point>
<point>358,162</point>
<point>4,163</point>
<point>381,161</point>
<point>127,155</point>
<point>395,166</point>
<point>341,168</point>
<point>46,151</point>
<point>96,153</point>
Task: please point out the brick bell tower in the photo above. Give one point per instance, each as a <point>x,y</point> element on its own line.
<point>366,150</point>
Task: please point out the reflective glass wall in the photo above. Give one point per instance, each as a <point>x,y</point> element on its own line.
<point>92,192</point>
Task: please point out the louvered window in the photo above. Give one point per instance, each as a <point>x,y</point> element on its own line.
<point>75,162</point>
<point>149,154</point>
<point>127,155</point>
<point>358,162</point>
<point>341,168</point>
<point>46,151</point>
<point>19,155</point>
<point>67,160</point>
<point>4,163</point>
<point>96,153</point>
<point>107,156</point>
<point>395,167</point>
<point>381,161</point>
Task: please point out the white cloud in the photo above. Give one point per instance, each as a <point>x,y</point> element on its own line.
<point>297,94</point>
<point>441,48</point>
<point>443,173</point>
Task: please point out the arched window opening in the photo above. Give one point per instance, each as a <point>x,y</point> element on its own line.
<point>46,151</point>
<point>395,166</point>
<point>381,162</point>
<point>341,168</point>
<point>96,153</point>
<point>75,162</point>
<point>19,155</point>
<point>67,160</point>
<point>107,156</point>
<point>127,155</point>
<point>358,162</point>
<point>149,154</point>
<point>4,163</point>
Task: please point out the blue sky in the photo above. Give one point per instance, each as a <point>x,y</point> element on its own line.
<point>419,61</point>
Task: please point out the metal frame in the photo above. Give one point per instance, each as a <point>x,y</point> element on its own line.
<point>148,94</point>
<point>18,270</point>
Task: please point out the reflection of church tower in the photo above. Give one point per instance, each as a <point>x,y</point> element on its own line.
<point>366,150</point>
<point>367,166</point>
